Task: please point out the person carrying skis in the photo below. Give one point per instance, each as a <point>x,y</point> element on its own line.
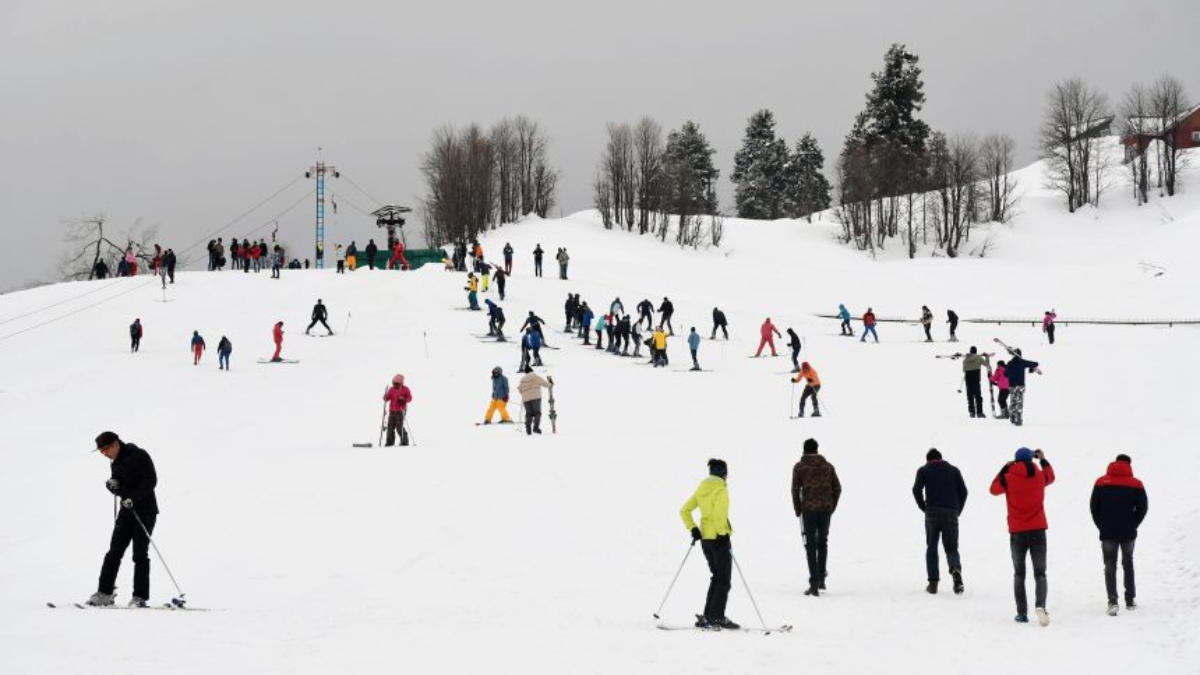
<point>926,322</point>
<point>132,482</point>
<point>694,345</point>
<point>1015,371</point>
<point>563,259</point>
<point>197,347</point>
<point>530,387</point>
<point>537,260</point>
<point>719,322</point>
<point>224,349</point>
<point>812,387</point>
<point>794,343</point>
<point>713,533</point>
<point>999,379</point>
<point>508,256</point>
<point>868,320</point>
<point>499,398</point>
<point>371,251</point>
<point>531,345</point>
<point>973,364</point>
<point>319,313</point>
<point>645,310</point>
<point>277,336</point>
<point>815,493</point>
<point>501,278</point>
<point>665,311</point>
<point>952,319</point>
<point>1048,325</point>
<point>767,333</point>
<point>1118,506</point>
<point>1024,488</point>
<point>472,289</point>
<point>398,397</point>
<point>135,335</point>
<point>660,348</point>
<point>941,495</point>
<point>585,322</point>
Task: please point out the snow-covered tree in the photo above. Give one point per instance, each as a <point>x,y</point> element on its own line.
<point>806,189</point>
<point>759,169</point>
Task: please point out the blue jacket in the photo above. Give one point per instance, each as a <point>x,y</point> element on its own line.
<point>940,484</point>
<point>532,340</point>
<point>491,307</point>
<point>694,340</point>
<point>500,387</point>
<point>1015,369</point>
<point>586,319</point>
<point>843,313</point>
<point>197,340</point>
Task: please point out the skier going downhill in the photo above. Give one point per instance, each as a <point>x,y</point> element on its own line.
<point>794,343</point>
<point>319,313</point>
<point>1024,488</point>
<point>812,387</point>
<point>1118,507</point>
<point>941,495</point>
<point>499,398</point>
<point>398,397</point>
<point>693,340</point>
<point>815,493</point>
<point>132,483</point>
<point>767,334</point>
<point>713,533</point>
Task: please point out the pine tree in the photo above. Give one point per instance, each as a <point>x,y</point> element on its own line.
<point>807,190</point>
<point>691,177</point>
<point>759,169</point>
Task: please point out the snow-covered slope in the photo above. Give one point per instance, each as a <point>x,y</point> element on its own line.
<point>484,549</point>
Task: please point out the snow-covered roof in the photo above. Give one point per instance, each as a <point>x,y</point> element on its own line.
<point>1152,126</point>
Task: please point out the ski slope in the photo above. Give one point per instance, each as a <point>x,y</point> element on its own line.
<point>482,549</point>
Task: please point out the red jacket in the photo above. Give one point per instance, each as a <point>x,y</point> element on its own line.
<point>767,329</point>
<point>1024,493</point>
<point>277,333</point>
<point>869,319</point>
<point>397,398</point>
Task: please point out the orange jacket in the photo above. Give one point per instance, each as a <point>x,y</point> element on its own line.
<point>809,374</point>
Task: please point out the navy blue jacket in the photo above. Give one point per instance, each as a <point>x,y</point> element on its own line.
<point>1118,503</point>
<point>1015,370</point>
<point>942,484</point>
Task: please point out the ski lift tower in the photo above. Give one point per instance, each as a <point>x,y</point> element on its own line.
<point>318,171</point>
<point>390,217</point>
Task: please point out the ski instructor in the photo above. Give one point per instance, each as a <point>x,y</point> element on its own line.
<point>712,498</point>
<point>132,482</point>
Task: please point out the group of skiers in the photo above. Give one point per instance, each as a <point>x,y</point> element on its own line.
<point>869,322</point>
<point>1118,504</point>
<point>1008,377</point>
<point>163,262</point>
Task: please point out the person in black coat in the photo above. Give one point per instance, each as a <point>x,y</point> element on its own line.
<point>665,310</point>
<point>170,260</point>
<point>371,249</point>
<point>1118,507</point>
<point>133,481</point>
<point>719,322</point>
<point>319,313</point>
<point>952,319</point>
<point>645,310</point>
<point>940,493</point>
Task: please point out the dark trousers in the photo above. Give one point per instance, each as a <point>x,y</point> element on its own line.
<point>724,330</point>
<point>533,415</point>
<point>810,391</point>
<point>395,427</point>
<point>508,264</point>
<point>1050,333</point>
<point>125,530</point>
<point>314,322</point>
<point>974,393</point>
<point>1003,400</point>
<point>1016,408</point>
<point>953,330</point>
<point>940,523</point>
<point>1032,543</point>
<point>134,343</point>
<point>562,270</point>
<point>500,285</point>
<point>928,337</point>
<point>846,329</point>
<point>719,555</point>
<point>695,363</point>
<point>796,359</point>
<point>816,544</point>
<point>648,319</point>
<point>1109,548</point>
<point>537,267</point>
<point>599,337</point>
<point>665,320</point>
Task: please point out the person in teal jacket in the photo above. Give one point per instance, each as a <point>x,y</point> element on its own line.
<point>694,345</point>
<point>712,498</point>
<point>844,314</point>
<point>599,327</point>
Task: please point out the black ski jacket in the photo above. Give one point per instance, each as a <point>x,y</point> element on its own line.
<point>134,471</point>
<point>666,307</point>
<point>942,484</point>
<point>719,318</point>
<point>319,313</point>
<point>645,308</point>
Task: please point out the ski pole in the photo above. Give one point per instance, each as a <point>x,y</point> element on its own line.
<point>347,326</point>
<point>676,578</point>
<point>383,421</point>
<point>792,400</point>
<point>408,430</point>
<point>749,594</point>
<point>178,602</point>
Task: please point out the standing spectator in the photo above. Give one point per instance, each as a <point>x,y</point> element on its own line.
<point>537,260</point>
<point>1118,507</point>
<point>508,256</point>
<point>1024,488</point>
<point>563,259</point>
<point>352,256</point>
<point>694,345</point>
<point>130,262</point>
<point>927,322</point>
<point>499,398</point>
<point>815,494</point>
<point>812,387</point>
<point>1048,325</point>
<point>341,259</point>
<point>712,498</point>
<point>372,250</point>
<point>398,397</point>
<point>941,495</point>
<point>235,253</point>
<point>276,261</point>
<point>100,269</point>
<point>868,320</point>
<point>224,350</point>
<point>665,311</point>
<point>135,335</point>
<point>530,387</point>
<point>212,254</point>
<point>220,254</point>
<point>169,261</point>
<point>952,319</point>
<point>197,347</point>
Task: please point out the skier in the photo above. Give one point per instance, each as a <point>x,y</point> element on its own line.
<point>537,260</point>
<point>224,349</point>
<point>1015,371</point>
<point>973,363</point>
<point>495,320</point>
<point>952,319</point>
<point>767,333</point>
<point>585,322</point>
<point>941,495</point>
<point>665,310</point>
<point>501,278</point>
<point>132,482</point>
<point>601,322</point>
<point>372,250</point>
<point>812,387</point>
<point>794,343</point>
<point>868,320</point>
<point>499,398</point>
<point>815,493</point>
<point>485,271</point>
<point>197,347</point>
<point>1024,489</point>
<point>352,256</point>
<point>660,348</point>
<point>645,310</point>
<point>563,259</point>
<point>999,379</point>
<point>472,289</point>
<point>719,322</point>
<point>926,322</point>
<point>277,336</point>
<point>712,498</point>
<point>569,311</point>
<point>530,387</point>
<point>694,345</point>
<point>624,328</point>
<point>531,345</point>
<point>508,256</point>
<point>535,322</point>
<point>1048,325</point>
<point>135,335</point>
<point>397,260</point>
<point>617,307</point>
<point>398,397</point>
<point>318,314</point>
<point>1118,507</point>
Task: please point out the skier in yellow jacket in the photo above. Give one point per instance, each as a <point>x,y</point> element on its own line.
<point>712,498</point>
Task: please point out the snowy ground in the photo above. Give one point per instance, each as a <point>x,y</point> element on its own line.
<point>481,548</point>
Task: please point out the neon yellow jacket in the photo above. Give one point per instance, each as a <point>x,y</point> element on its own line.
<point>712,497</point>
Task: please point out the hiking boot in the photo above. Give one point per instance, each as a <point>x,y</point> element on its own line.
<point>99,599</point>
<point>135,601</point>
<point>1112,608</point>
<point>816,413</point>
<point>703,623</point>
<point>1130,604</point>
<point>958,582</point>
<point>726,623</point>
<point>932,587</point>
<point>1042,617</point>
<point>812,590</point>
<point>1021,618</point>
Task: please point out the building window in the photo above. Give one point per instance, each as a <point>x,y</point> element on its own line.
<point>1196,136</point>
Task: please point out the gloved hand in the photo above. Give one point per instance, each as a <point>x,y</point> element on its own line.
<point>113,485</point>
<point>127,503</point>
<point>505,399</point>
<point>695,534</point>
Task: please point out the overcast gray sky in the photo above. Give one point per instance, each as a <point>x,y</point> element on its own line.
<point>186,113</point>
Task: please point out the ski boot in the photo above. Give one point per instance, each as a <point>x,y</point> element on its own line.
<point>725,623</point>
<point>99,599</point>
<point>135,601</point>
<point>1130,604</point>
<point>932,587</point>
<point>813,591</point>
<point>703,623</point>
<point>1021,618</point>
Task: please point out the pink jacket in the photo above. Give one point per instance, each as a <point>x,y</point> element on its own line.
<point>999,379</point>
<point>1048,319</point>
<point>767,329</point>
<point>397,398</point>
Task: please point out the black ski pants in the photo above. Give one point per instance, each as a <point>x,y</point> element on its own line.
<point>395,427</point>
<point>974,393</point>
<point>322,321</point>
<point>928,337</point>
<point>533,416</point>
<point>719,554</point>
<point>1033,544</point>
<point>810,392</point>
<point>815,526</point>
<point>1003,400</point>
<point>796,359</point>
<point>1109,548</point>
<point>665,320</point>
<point>126,530</point>
<point>537,267</point>
<point>953,330</point>
<point>648,318</point>
<point>134,343</point>
<point>1050,332</point>
<point>724,330</point>
<point>940,523</point>
<point>695,363</point>
<point>846,329</point>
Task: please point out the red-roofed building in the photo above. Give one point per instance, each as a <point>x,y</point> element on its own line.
<point>1184,131</point>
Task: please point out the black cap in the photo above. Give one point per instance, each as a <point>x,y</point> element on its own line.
<point>717,467</point>
<point>810,446</point>
<point>933,454</point>
<point>1124,458</point>
<point>106,438</point>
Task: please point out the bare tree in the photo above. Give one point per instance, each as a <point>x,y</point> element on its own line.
<point>504,141</point>
<point>648,147</point>
<point>460,198</point>
<point>602,198</point>
<point>1137,124</point>
<point>89,244</point>
<point>716,230</point>
<point>955,173</point>
<point>1168,103</point>
<point>1074,115</point>
<point>996,153</point>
